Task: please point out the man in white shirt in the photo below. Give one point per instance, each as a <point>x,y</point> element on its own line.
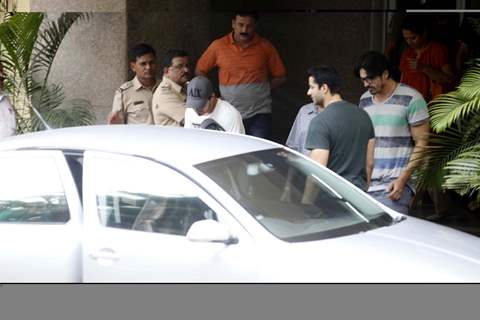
<point>202,104</point>
<point>7,114</point>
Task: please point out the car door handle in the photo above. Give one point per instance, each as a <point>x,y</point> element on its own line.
<point>105,254</point>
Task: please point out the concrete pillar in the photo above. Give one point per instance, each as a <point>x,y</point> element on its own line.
<point>77,5</point>
<point>23,5</point>
<point>92,60</point>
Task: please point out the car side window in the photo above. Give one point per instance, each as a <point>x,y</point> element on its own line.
<point>139,194</point>
<point>31,190</point>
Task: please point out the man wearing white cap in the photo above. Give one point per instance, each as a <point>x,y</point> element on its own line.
<point>202,104</point>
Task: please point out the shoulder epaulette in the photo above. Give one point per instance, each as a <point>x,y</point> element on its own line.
<point>165,85</point>
<point>126,86</point>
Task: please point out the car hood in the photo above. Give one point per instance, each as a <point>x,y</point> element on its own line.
<point>410,251</point>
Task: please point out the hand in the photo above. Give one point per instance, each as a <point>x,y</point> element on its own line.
<point>395,190</point>
<point>114,118</point>
<point>413,63</point>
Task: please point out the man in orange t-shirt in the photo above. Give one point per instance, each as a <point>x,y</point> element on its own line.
<point>249,66</point>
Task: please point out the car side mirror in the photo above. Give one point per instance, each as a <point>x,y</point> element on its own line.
<point>210,231</point>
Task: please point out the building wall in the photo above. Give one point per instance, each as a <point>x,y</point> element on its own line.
<point>92,60</point>
<point>23,5</point>
<point>78,5</point>
<point>169,24</point>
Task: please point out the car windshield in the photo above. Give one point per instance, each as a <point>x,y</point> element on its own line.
<point>293,198</point>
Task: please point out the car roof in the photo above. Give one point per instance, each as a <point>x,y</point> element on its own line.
<point>190,146</point>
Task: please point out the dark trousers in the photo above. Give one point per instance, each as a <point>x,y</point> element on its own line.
<point>260,125</point>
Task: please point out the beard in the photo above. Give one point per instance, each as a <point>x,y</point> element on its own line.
<point>319,101</point>
<point>374,90</point>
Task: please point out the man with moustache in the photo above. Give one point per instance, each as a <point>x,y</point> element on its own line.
<point>168,105</point>
<point>249,67</point>
<point>132,102</point>
<point>400,118</point>
<point>341,137</point>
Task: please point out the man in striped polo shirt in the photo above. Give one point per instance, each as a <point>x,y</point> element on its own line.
<point>248,67</point>
<point>400,117</point>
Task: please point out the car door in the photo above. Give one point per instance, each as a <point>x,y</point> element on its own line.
<point>137,214</point>
<point>40,218</point>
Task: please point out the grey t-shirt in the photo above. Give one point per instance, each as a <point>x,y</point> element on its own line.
<point>344,129</point>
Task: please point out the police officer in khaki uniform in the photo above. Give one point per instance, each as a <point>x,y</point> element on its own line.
<point>132,103</point>
<point>168,105</point>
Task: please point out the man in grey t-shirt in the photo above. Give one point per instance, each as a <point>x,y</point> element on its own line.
<point>341,137</point>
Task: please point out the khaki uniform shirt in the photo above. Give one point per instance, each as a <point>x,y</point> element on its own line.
<point>133,103</point>
<point>168,105</point>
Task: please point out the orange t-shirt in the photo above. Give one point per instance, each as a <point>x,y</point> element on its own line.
<point>435,55</point>
<point>238,65</point>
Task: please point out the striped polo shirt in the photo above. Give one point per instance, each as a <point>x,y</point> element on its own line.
<point>243,72</point>
<point>393,141</point>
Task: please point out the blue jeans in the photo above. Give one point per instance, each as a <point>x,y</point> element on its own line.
<point>260,125</point>
<point>401,205</point>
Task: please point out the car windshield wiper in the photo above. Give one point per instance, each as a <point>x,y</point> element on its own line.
<point>398,219</point>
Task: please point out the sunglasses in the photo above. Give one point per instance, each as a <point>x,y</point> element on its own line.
<point>368,80</point>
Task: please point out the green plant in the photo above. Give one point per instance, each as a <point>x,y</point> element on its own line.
<point>29,44</point>
<point>452,159</point>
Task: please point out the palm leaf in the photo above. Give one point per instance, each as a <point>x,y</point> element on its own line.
<point>471,127</point>
<point>442,148</point>
<point>450,108</point>
<point>45,100</point>
<point>45,51</point>
<point>50,39</point>
<point>76,112</point>
<point>464,173</point>
<point>469,87</point>
<point>28,45</point>
<point>452,159</point>
<point>48,98</point>
<point>446,109</point>
<point>17,37</point>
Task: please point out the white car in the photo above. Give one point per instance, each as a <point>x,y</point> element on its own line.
<point>152,204</point>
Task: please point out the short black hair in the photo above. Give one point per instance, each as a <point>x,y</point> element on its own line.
<point>139,50</point>
<point>374,63</point>
<point>170,54</point>
<point>246,13</point>
<point>326,75</point>
<point>415,23</point>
